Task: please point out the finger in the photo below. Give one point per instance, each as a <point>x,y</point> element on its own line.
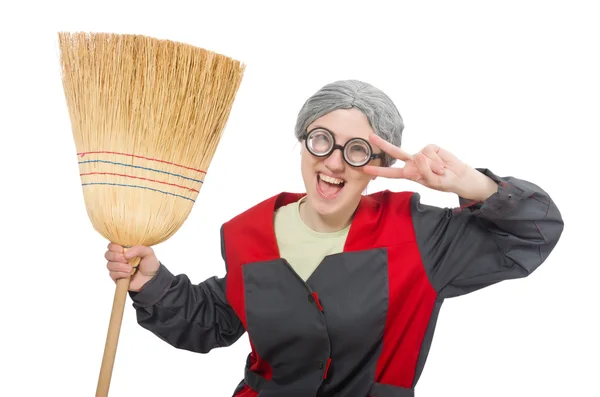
<point>436,163</point>
<point>424,168</point>
<point>118,267</point>
<point>390,149</point>
<point>115,257</point>
<point>446,156</point>
<point>385,172</point>
<point>117,275</point>
<point>433,153</point>
<point>140,251</point>
<point>115,247</point>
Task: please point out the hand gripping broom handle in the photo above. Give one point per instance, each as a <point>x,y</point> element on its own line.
<point>114,329</point>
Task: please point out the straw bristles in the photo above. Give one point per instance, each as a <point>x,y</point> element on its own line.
<point>147,116</point>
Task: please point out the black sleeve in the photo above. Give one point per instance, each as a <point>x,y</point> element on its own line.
<point>479,244</point>
<point>195,317</point>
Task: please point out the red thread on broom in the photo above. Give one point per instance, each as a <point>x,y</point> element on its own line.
<point>137,177</point>
<point>142,157</point>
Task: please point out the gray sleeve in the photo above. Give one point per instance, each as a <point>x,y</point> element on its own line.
<point>195,317</point>
<point>479,244</point>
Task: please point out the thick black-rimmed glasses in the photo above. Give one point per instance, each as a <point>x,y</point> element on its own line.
<point>357,152</point>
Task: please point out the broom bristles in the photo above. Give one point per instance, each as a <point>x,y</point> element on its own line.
<point>147,116</point>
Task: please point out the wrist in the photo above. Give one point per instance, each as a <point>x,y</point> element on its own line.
<point>477,186</point>
<point>141,278</point>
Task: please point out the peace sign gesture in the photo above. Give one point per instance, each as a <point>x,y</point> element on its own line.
<point>435,168</point>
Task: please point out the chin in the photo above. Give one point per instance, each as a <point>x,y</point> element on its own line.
<point>328,198</point>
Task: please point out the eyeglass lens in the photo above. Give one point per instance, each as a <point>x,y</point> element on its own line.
<point>321,143</point>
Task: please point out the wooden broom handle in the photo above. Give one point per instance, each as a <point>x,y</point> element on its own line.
<point>114,329</point>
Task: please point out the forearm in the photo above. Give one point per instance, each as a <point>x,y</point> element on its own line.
<point>506,236</point>
<point>185,315</point>
<point>522,217</point>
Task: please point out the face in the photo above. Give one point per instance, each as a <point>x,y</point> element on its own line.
<point>334,187</point>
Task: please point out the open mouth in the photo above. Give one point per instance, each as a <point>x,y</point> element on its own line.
<point>329,187</point>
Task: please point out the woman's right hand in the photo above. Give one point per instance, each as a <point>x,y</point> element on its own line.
<point>119,267</point>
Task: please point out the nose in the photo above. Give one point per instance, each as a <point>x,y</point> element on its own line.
<point>335,161</point>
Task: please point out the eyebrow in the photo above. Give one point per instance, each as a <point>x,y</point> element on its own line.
<point>323,128</point>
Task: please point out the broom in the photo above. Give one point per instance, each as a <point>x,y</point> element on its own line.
<point>146,117</point>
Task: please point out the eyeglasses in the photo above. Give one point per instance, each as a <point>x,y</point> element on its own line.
<point>357,152</point>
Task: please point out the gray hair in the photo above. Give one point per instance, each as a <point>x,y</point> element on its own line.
<point>382,114</point>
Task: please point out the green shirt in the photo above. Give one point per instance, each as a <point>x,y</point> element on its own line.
<point>301,246</point>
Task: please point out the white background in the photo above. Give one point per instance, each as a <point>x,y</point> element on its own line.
<point>512,86</point>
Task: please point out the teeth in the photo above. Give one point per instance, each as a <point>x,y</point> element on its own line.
<point>330,179</point>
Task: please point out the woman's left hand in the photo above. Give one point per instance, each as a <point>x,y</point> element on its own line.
<point>434,168</point>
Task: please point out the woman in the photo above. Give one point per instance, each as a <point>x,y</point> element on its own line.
<point>339,291</point>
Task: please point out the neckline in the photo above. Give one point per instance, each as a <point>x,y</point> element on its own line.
<point>360,227</point>
<point>298,219</point>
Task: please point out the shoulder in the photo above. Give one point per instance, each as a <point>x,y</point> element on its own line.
<point>250,236</point>
<point>403,209</point>
<point>387,201</point>
<point>263,211</point>
<point>388,209</point>
<point>395,202</point>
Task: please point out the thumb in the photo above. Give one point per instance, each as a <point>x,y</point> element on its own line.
<point>138,251</point>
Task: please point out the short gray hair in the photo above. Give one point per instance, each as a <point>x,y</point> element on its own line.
<point>380,110</point>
